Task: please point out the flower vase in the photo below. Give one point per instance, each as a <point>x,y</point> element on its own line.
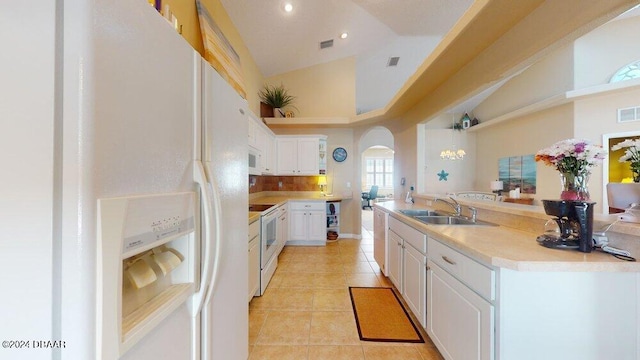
<point>574,186</point>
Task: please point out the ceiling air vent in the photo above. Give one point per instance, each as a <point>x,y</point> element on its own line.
<point>326,44</point>
<point>629,114</point>
<point>393,61</point>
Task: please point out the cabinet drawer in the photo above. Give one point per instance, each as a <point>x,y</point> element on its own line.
<point>316,205</point>
<point>414,237</point>
<point>476,276</point>
<point>254,229</point>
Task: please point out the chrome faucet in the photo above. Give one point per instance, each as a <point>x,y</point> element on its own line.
<point>474,213</point>
<point>453,203</point>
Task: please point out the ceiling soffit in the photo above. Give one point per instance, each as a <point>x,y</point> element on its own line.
<point>498,38</point>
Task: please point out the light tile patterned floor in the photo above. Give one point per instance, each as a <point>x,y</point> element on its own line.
<point>306,311</point>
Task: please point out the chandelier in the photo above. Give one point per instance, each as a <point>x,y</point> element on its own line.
<point>454,153</point>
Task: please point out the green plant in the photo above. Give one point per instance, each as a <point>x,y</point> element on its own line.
<point>276,96</point>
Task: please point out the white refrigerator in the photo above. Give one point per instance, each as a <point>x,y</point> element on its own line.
<point>102,99</point>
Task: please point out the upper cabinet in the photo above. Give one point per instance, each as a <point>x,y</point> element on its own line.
<point>262,142</point>
<point>299,155</point>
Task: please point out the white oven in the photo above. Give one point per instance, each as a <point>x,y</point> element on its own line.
<point>268,247</point>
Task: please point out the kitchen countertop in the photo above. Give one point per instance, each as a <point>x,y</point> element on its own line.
<point>254,216</point>
<point>278,200</point>
<point>506,247</point>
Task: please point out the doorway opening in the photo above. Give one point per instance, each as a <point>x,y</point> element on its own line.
<point>614,171</point>
<point>376,170</point>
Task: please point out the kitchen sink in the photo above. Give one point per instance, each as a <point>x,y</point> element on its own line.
<point>416,212</point>
<point>451,220</point>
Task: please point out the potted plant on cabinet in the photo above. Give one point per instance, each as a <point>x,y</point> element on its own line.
<point>277,97</point>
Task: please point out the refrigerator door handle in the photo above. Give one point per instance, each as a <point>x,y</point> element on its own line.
<point>217,210</point>
<point>211,209</point>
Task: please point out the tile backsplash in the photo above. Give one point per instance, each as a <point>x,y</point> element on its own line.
<point>282,183</point>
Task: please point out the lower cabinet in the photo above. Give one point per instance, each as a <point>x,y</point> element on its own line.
<point>415,282</point>
<point>254,259</point>
<point>394,267</point>
<point>380,228</point>
<point>407,266</point>
<point>307,223</point>
<point>282,229</point>
<point>460,322</point>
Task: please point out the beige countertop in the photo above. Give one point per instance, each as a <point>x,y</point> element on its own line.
<point>254,216</point>
<point>277,199</point>
<point>507,247</point>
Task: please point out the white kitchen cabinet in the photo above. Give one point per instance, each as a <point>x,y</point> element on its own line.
<point>298,155</point>
<point>254,258</point>
<point>269,155</point>
<point>380,228</point>
<point>414,278</point>
<point>262,139</point>
<point>395,259</point>
<point>282,230</point>
<point>412,261</point>
<point>460,322</point>
<point>252,132</point>
<point>307,223</point>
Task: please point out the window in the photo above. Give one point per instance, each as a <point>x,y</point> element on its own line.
<point>379,172</point>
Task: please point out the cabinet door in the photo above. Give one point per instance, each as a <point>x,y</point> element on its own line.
<point>254,266</point>
<point>395,260</point>
<point>317,225</point>
<point>252,138</point>
<point>460,322</point>
<point>380,238</point>
<point>287,160</point>
<point>283,231</point>
<point>414,276</point>
<point>269,155</point>
<point>298,225</point>
<point>308,156</point>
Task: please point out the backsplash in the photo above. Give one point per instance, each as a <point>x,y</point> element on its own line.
<point>289,183</point>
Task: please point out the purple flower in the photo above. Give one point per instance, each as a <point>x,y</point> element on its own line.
<point>580,147</point>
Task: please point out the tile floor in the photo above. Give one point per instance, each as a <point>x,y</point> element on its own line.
<point>306,311</point>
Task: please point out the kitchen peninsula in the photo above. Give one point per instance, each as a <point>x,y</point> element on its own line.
<point>493,293</point>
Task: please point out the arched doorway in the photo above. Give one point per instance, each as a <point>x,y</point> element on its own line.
<point>376,168</point>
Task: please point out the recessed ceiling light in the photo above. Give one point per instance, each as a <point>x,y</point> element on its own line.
<point>288,7</point>
<point>343,35</point>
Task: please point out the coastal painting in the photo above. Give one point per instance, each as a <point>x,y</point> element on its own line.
<point>518,171</point>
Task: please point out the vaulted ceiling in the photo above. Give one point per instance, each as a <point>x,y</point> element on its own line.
<point>280,41</point>
<point>483,42</point>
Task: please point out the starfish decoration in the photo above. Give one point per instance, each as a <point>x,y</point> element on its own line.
<point>442,175</point>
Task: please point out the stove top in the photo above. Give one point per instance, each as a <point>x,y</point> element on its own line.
<point>260,207</point>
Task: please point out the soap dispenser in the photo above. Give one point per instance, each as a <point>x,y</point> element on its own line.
<point>408,199</point>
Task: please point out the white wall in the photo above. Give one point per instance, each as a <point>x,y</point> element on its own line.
<point>461,172</point>
<point>324,90</point>
<point>524,136</point>
<point>599,54</point>
<point>376,136</point>
<point>376,83</point>
<point>550,76</point>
